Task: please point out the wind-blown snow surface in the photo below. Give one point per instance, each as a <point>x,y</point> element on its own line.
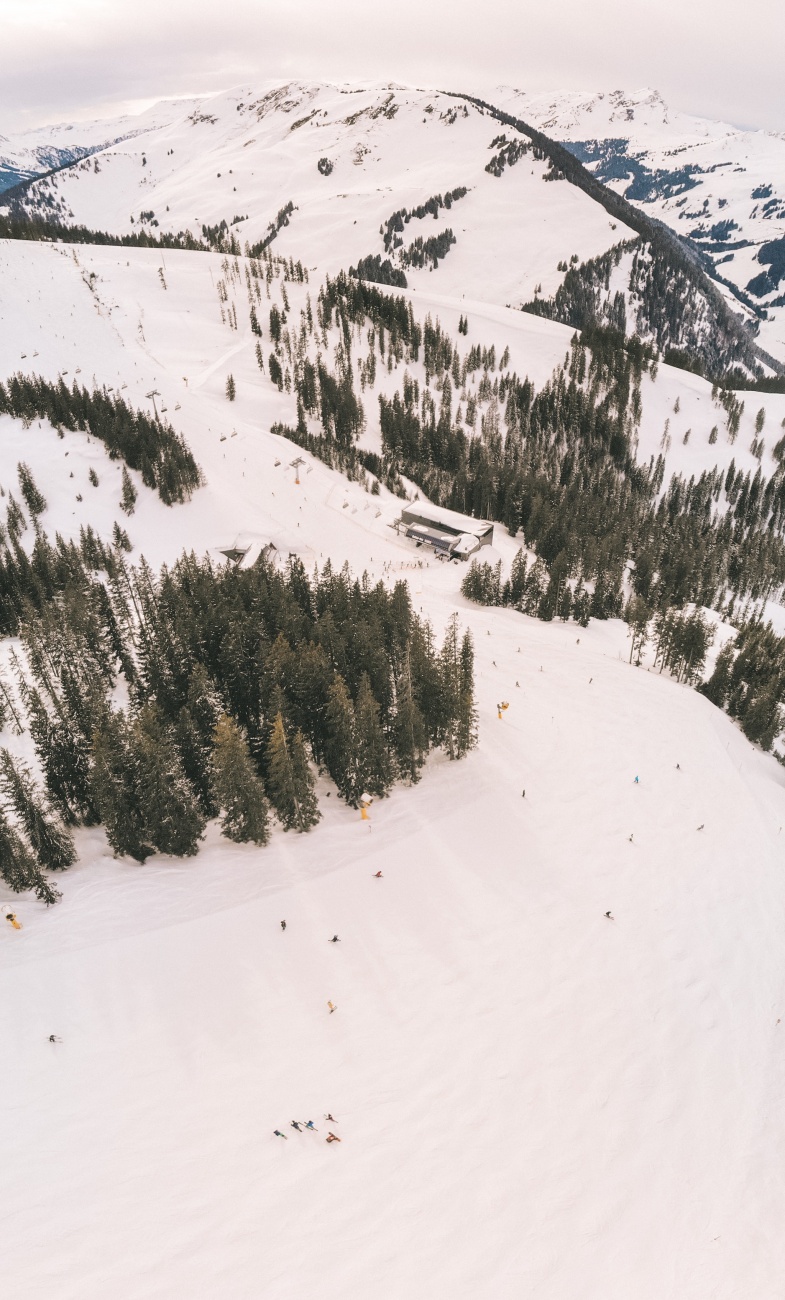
<point>532,1100</point>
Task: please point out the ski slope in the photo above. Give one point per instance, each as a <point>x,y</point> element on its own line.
<point>532,1099</point>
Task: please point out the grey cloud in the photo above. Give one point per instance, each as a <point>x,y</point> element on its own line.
<point>95,56</point>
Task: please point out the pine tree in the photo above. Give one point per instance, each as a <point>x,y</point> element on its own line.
<point>466,732</point>
<point>290,782</point>
<point>341,745</point>
<point>193,735</point>
<point>238,790</point>
<point>116,789</point>
<point>64,754</point>
<point>49,839</point>
<point>174,821</point>
<point>374,769</point>
<point>410,739</point>
<point>129,493</point>
<point>36,502</point>
<point>18,866</point>
<point>231,389</point>
<point>717,687</point>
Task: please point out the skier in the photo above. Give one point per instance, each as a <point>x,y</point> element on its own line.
<point>332,1007</point>
<point>283,925</point>
<point>310,1124</point>
<point>332,1138</point>
<point>11,917</point>
<point>630,839</point>
<point>331,1118</point>
<point>54,1039</point>
<point>277,1133</point>
<point>334,939</point>
<point>377,875</point>
<point>609,915</point>
<point>700,828</point>
<point>636,781</point>
<point>294,1124</point>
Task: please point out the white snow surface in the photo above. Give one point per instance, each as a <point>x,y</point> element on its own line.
<point>532,1099</point>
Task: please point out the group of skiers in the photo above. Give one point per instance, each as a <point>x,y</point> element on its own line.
<point>301,1125</point>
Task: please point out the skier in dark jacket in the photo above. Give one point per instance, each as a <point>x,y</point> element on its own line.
<point>283,925</point>
<point>334,939</point>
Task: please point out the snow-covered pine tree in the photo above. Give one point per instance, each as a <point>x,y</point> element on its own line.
<point>114,780</point>
<point>129,494</point>
<point>193,736</point>
<point>374,768</point>
<point>18,867</point>
<point>238,790</point>
<point>466,731</point>
<point>290,782</point>
<point>50,840</point>
<point>410,740</point>
<point>341,745</point>
<point>174,820</point>
<point>64,755</point>
<point>36,502</point>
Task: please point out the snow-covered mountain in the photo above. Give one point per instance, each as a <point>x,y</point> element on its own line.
<point>718,185</point>
<point>555,1064</point>
<point>28,154</point>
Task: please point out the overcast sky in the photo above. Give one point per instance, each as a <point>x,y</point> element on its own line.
<point>66,59</point>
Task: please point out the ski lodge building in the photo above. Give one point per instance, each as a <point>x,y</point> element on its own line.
<point>449,534</point>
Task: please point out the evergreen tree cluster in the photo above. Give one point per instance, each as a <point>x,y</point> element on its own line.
<point>509,153</point>
<point>749,681</point>
<point>33,840</point>
<point>563,472</point>
<point>427,252</point>
<point>660,305</point>
<point>144,442</point>
<point>380,270</point>
<point>237,680</point>
<point>31,581</point>
<point>393,227</point>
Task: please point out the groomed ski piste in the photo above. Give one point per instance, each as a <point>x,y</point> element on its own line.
<point>533,1098</point>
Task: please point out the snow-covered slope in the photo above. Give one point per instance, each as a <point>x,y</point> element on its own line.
<point>722,186</point>
<point>243,156</point>
<point>28,154</point>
